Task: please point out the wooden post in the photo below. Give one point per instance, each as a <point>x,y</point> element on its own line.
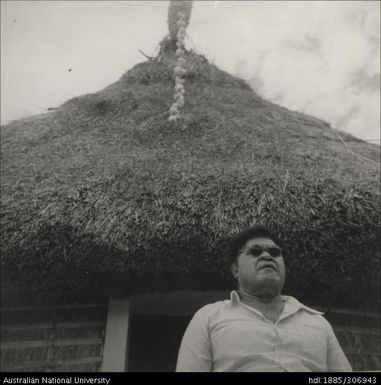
<point>115,351</point>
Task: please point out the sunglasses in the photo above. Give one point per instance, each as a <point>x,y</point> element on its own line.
<point>256,251</point>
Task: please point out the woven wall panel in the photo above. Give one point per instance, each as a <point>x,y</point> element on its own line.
<point>54,339</point>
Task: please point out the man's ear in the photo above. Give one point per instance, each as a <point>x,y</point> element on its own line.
<point>234,269</point>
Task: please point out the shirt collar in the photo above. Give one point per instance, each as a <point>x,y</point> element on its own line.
<point>292,305</point>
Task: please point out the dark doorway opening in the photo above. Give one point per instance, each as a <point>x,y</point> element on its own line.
<point>155,342</point>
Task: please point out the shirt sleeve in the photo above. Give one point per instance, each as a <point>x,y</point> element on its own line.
<point>195,353</point>
<point>336,359</point>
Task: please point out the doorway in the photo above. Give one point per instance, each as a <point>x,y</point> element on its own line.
<point>158,323</point>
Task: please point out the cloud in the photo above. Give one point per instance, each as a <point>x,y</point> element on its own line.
<point>365,82</point>
<point>321,58</point>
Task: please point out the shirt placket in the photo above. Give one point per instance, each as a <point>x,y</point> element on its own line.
<point>282,317</point>
<point>275,328</point>
<point>278,346</point>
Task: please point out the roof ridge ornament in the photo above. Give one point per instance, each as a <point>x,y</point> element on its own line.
<point>178,19</point>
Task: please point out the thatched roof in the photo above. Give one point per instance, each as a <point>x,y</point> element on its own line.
<point>104,196</point>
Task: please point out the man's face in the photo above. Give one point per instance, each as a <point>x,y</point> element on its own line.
<point>260,267</point>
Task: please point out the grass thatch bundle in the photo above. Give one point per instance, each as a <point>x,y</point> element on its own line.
<point>175,8</point>
<point>104,196</point>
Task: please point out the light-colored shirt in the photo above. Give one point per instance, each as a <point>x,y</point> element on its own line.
<point>229,336</point>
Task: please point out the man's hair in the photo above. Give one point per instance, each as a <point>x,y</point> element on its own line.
<point>239,240</point>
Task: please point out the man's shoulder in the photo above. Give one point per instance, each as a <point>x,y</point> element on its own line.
<point>308,315</point>
<point>296,305</point>
<point>212,308</point>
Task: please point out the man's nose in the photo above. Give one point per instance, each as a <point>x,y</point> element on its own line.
<point>266,255</point>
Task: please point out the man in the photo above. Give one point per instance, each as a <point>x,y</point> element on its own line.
<point>259,329</point>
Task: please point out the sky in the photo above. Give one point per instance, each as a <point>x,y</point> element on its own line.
<point>321,58</point>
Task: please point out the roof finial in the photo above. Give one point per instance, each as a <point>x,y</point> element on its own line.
<point>183,6</point>
<point>178,19</point>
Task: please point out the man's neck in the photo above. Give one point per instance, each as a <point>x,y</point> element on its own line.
<point>271,306</point>
<point>260,299</point>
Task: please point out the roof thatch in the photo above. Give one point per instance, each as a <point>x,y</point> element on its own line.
<point>104,196</point>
